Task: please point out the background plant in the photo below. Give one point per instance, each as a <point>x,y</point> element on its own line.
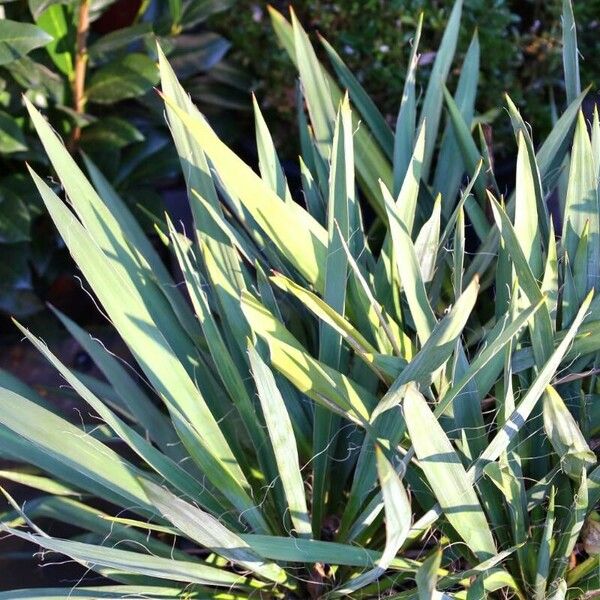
<point>342,409</point>
<point>91,65</point>
<point>520,40</point>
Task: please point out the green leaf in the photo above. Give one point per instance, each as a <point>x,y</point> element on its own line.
<point>18,39</point>
<point>135,562</point>
<point>11,137</point>
<point>108,592</point>
<point>581,205</point>
<point>517,418</point>
<point>15,218</point>
<point>128,77</point>
<point>426,244</point>
<point>111,132</point>
<point>405,260</point>
<point>207,531</point>
<point>427,577</point>
<point>295,233</point>
<point>434,96</point>
<point>574,519</point>
<point>565,436</point>
<point>362,101</point>
<point>117,40</point>
<point>406,121</point>
<point>450,165</point>
<point>340,224</point>
<point>270,167</point>
<point>398,515</point>
<point>38,482</point>
<point>318,381</point>
<point>67,444</point>
<point>526,214</point>
<point>57,21</point>
<point>191,416</point>
<point>545,551</point>
<point>447,476</point>
<point>283,442</point>
<point>570,53</point>
<point>37,7</point>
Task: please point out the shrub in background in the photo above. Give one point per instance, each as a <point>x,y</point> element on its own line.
<point>520,40</point>
<point>94,82</point>
<point>341,409</point>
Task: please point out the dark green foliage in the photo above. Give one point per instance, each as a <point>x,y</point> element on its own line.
<point>116,119</point>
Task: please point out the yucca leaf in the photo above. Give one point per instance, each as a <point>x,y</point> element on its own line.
<point>502,439</point>
<point>167,468</point>
<point>230,376</point>
<point>95,521</point>
<point>67,444</point>
<point>426,578</point>
<point>134,398</point>
<point>268,161</point>
<point>526,213</point>
<point>567,539</point>
<point>450,165</point>
<point>398,516</point>
<point>532,174</point>
<point>570,53</point>
<point>517,419</point>
<point>565,436</point>
<point>303,550</point>
<point>202,193</point>
<point>426,244</point>
<point>447,476</point>
<point>404,136</point>
<point>283,442</point>
<point>333,319</point>
<point>405,260</point>
<point>207,531</point>
<point>550,283</point>
<point>458,253</point>
<point>184,401</point>
<point>361,100</point>
<point>316,380</point>
<point>581,205</point>
<point>108,592</point>
<point>434,95</point>
<point>340,223</point>
<point>38,482</point>
<point>305,246</point>
<point>371,163</point>
<point>542,330</point>
<point>549,159</point>
<point>141,564</point>
<point>112,228</point>
<point>545,551</point>
<point>471,158</point>
<point>388,423</point>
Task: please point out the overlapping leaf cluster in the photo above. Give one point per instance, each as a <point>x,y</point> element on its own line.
<point>340,409</point>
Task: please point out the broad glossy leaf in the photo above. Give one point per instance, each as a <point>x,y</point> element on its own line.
<point>18,39</point>
<point>129,76</point>
<point>11,137</point>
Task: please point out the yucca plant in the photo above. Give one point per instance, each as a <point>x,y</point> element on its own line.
<point>340,400</point>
